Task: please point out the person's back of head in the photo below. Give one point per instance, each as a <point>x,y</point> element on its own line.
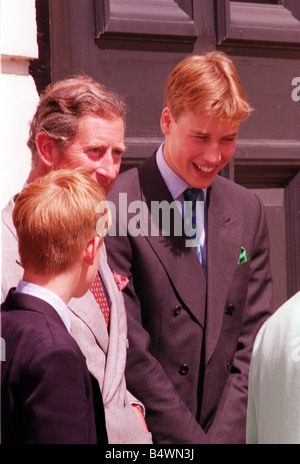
<point>55,216</point>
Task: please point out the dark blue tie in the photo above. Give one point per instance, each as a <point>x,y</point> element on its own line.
<point>191,195</point>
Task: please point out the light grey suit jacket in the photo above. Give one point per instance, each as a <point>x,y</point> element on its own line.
<point>105,352</point>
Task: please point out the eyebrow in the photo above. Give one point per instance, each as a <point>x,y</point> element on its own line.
<point>192,132</point>
<point>99,144</point>
<point>122,148</point>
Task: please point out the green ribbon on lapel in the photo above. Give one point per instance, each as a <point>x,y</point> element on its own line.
<point>243,256</point>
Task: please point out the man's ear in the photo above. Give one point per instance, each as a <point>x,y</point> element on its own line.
<point>91,249</point>
<point>47,149</point>
<point>165,121</point>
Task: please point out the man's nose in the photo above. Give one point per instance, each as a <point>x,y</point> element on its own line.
<point>212,154</point>
<point>107,166</point>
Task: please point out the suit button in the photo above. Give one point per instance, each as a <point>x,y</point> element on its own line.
<point>183,369</point>
<point>177,311</point>
<point>229,309</point>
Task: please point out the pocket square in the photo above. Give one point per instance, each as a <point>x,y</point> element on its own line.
<point>120,280</point>
<point>243,256</point>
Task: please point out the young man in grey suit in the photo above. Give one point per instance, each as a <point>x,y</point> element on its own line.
<point>196,296</point>
<point>80,123</point>
<point>47,393</point>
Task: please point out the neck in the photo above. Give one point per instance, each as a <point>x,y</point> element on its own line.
<point>62,284</point>
<point>39,171</point>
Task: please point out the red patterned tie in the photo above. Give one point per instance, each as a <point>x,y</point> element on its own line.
<point>98,292</point>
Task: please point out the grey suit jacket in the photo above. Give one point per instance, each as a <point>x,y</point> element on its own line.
<point>105,352</point>
<point>191,336</point>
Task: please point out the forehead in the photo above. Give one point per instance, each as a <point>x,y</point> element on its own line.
<point>207,124</point>
<point>91,126</point>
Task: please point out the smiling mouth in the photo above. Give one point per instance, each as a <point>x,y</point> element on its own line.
<point>204,170</point>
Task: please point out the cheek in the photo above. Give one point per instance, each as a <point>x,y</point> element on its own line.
<point>118,166</point>
<point>195,147</point>
<point>227,152</point>
<point>79,161</point>
<point>183,149</point>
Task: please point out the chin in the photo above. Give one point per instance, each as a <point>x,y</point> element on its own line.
<point>104,184</point>
<point>107,189</point>
<point>206,182</point>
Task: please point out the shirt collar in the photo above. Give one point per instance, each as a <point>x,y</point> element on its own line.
<point>47,295</point>
<point>175,184</point>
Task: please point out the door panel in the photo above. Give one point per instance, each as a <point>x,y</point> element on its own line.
<point>273,200</point>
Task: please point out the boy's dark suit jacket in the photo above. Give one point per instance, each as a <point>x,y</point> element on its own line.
<point>46,389</point>
<point>190,338</point>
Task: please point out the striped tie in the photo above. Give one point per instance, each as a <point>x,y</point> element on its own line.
<point>99,295</point>
<point>191,195</point>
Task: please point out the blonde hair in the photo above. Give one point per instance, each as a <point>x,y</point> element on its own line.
<point>55,216</point>
<point>208,84</point>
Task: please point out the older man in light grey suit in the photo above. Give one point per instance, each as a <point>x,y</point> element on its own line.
<point>79,122</point>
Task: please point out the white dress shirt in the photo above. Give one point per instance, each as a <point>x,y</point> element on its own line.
<point>177,186</point>
<point>47,295</point>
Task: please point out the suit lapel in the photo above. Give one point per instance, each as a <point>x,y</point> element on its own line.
<point>112,343</point>
<point>223,239</point>
<point>86,309</point>
<point>179,261</point>
<point>116,354</point>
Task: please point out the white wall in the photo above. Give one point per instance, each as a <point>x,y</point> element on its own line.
<point>18,94</point>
